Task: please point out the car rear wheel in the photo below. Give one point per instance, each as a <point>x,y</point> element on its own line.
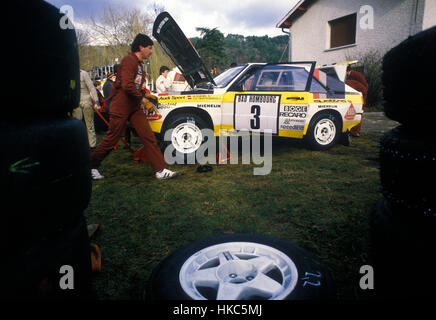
<point>323,132</point>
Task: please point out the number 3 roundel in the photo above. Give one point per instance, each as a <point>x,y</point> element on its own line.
<point>256,112</point>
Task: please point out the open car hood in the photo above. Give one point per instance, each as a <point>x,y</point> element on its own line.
<point>180,50</point>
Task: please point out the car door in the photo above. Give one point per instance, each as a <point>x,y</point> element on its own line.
<point>274,98</point>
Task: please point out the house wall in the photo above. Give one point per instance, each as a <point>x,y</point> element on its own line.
<point>429,19</point>
<point>394,21</point>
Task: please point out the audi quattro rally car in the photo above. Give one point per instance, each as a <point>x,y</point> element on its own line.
<point>294,99</point>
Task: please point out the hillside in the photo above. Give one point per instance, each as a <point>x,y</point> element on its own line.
<point>240,49</point>
<point>232,48</point>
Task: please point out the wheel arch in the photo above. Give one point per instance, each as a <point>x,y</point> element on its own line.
<point>187,110</point>
<point>332,112</point>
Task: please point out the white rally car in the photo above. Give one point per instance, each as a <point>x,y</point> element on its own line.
<point>295,99</point>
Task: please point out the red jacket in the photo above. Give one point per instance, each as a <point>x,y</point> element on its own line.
<point>357,81</point>
<point>127,93</point>
<point>355,75</point>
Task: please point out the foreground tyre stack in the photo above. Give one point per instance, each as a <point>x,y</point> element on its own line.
<point>44,168</point>
<point>404,220</point>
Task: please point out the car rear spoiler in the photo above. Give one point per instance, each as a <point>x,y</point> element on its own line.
<point>337,70</point>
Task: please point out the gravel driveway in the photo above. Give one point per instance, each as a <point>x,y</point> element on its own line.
<point>377,122</point>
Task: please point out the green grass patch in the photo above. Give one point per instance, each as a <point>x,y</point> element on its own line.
<point>320,201</point>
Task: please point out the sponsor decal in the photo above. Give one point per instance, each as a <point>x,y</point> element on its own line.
<point>328,101</point>
<point>295,108</point>
<point>293,114</point>
<point>333,106</point>
<point>294,127</point>
<point>152,116</point>
<point>289,121</point>
<point>162,24</point>
<point>290,111</point>
<point>191,98</point>
<point>258,98</point>
<point>293,124</point>
<point>166,105</point>
<point>351,113</point>
<point>208,105</point>
<point>255,112</point>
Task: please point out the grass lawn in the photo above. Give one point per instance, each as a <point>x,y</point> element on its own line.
<point>320,201</point>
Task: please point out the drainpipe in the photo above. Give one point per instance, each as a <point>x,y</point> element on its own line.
<point>290,43</point>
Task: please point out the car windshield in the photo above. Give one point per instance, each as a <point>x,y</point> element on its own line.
<point>224,78</point>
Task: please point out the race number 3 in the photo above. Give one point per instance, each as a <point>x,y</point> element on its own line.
<point>256,112</point>
<point>255,123</point>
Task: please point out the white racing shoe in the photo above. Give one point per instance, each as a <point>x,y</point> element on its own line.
<point>166,174</point>
<point>96,175</point>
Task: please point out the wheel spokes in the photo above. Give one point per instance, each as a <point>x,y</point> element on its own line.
<point>205,277</point>
<point>228,291</point>
<point>263,285</point>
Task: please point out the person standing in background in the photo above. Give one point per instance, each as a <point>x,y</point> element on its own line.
<point>163,82</point>
<point>88,100</point>
<point>357,81</point>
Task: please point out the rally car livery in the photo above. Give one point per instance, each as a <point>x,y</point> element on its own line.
<point>294,99</point>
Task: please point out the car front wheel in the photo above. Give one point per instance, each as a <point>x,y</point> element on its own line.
<point>185,133</point>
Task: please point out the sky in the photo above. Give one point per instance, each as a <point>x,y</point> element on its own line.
<point>244,17</point>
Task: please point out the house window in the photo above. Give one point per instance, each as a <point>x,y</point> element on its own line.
<point>343,31</point>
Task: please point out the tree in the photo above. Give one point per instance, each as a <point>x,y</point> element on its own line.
<point>211,47</point>
<point>108,36</point>
<point>116,27</point>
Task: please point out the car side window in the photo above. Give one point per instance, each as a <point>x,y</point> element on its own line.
<point>247,82</point>
<point>281,78</point>
<point>316,87</point>
<point>274,77</point>
<point>267,80</point>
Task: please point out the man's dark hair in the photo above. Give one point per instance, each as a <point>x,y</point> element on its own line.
<point>141,40</point>
<point>163,69</point>
<point>116,68</point>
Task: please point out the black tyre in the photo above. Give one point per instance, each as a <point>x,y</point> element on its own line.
<point>408,170</point>
<point>45,178</point>
<point>240,267</point>
<point>324,131</point>
<point>46,80</point>
<point>184,134</point>
<point>402,253</point>
<point>36,271</point>
<point>408,94</point>
<point>346,138</point>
